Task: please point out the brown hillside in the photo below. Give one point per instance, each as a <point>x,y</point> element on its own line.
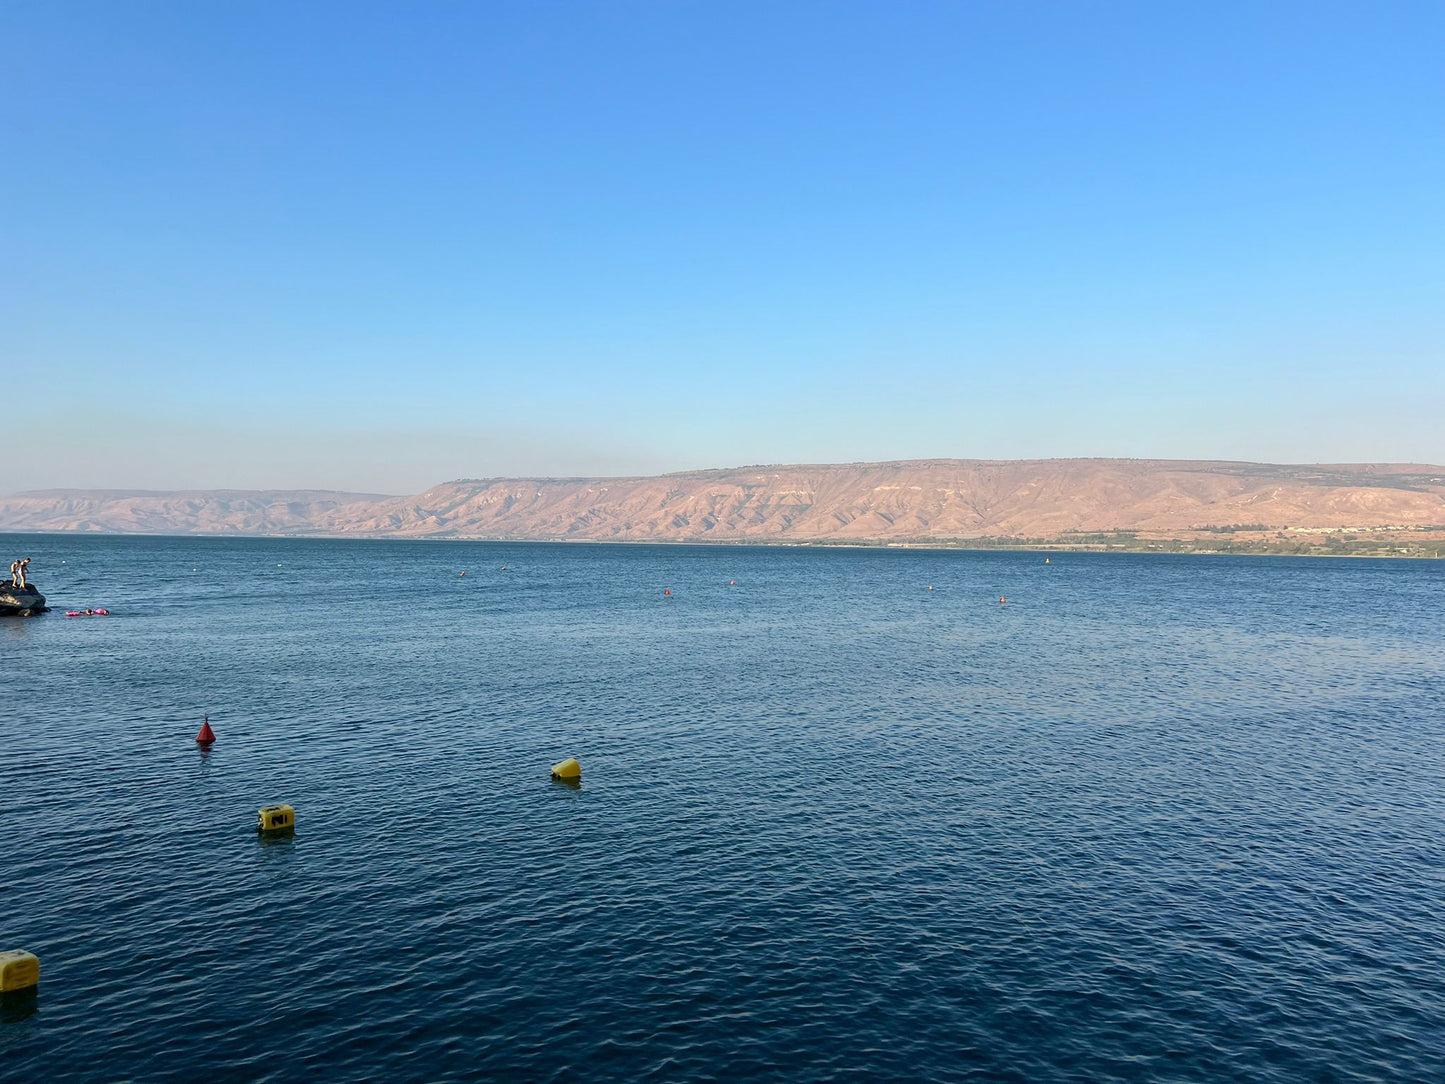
<point>858,502</point>
<point>917,500</point>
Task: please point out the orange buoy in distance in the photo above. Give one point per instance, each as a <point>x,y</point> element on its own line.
<point>1001,600</point>
<point>732,583</point>
<point>206,736</point>
<point>667,591</point>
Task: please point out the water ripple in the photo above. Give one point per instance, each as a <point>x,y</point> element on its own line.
<point>1157,818</point>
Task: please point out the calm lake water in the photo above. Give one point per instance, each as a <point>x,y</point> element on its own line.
<point>1157,818</point>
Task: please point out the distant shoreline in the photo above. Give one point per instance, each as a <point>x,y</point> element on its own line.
<point>1432,548</point>
<point>1380,509</point>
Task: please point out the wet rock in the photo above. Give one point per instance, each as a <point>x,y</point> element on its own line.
<point>20,601</point>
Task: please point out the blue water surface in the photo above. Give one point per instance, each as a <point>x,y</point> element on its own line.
<point>1172,818</point>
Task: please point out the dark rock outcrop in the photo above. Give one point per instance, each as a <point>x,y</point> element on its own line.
<point>20,601</point>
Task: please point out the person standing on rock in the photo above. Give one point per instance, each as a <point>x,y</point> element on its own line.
<point>18,577</point>
<point>14,573</point>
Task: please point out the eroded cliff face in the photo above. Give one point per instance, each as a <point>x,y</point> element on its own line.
<point>933,499</point>
<point>860,502</point>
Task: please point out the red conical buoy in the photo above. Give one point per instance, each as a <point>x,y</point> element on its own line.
<point>667,592</point>
<point>207,736</point>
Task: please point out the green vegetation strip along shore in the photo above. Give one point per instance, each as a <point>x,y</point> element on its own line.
<point>1426,543</point>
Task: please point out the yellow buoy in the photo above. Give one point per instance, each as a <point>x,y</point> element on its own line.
<point>567,769</point>
<point>19,970</point>
<point>276,818</point>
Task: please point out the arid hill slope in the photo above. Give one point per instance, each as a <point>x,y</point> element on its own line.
<point>903,501</point>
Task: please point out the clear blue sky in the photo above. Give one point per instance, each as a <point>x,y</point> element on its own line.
<point>377,246</point>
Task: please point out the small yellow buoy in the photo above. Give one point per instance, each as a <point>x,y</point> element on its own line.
<point>276,819</point>
<point>19,970</point>
<point>1046,560</point>
<point>567,769</point>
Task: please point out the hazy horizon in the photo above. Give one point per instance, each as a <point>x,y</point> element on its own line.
<point>371,250</point>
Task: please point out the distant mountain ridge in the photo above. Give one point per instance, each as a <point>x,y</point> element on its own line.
<point>904,501</point>
<point>140,511</point>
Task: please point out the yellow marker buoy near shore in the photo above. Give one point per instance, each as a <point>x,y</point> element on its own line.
<point>275,820</point>
<point>567,769</point>
<point>19,970</point>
